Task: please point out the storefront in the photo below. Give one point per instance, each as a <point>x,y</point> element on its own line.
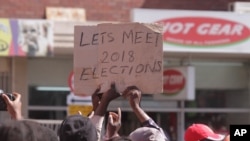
<point>221,92</point>
<point>216,45</point>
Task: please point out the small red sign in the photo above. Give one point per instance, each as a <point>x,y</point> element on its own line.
<point>174,81</point>
<point>71,81</point>
<point>203,31</point>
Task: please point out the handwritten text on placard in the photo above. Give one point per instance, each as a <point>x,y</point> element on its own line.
<point>129,54</point>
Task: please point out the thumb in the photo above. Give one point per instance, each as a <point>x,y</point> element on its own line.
<point>6,99</point>
<point>91,114</point>
<point>110,120</point>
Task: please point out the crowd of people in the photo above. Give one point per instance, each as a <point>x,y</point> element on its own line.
<point>82,128</point>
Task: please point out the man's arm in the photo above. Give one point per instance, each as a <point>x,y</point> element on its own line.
<point>133,94</point>
<point>107,97</point>
<point>100,104</point>
<point>113,126</point>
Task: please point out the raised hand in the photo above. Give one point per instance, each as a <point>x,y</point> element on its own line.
<point>14,107</point>
<point>96,97</point>
<point>107,97</point>
<point>114,124</point>
<point>110,94</point>
<point>133,94</point>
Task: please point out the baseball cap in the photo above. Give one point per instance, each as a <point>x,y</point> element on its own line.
<point>147,134</point>
<point>197,132</point>
<point>77,128</point>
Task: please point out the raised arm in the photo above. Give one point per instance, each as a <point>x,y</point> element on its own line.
<point>133,94</point>
<point>107,97</point>
<point>113,126</point>
<point>100,104</point>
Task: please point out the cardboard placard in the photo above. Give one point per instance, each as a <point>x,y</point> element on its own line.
<point>127,54</point>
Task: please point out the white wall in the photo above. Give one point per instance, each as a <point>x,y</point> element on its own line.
<point>221,76</point>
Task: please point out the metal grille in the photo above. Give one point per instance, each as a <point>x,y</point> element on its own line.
<point>5,81</point>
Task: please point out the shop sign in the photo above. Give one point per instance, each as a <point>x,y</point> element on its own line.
<point>203,31</point>
<point>21,37</point>
<point>173,81</point>
<point>71,81</point>
<point>66,14</point>
<point>189,31</point>
<point>6,36</point>
<point>78,104</point>
<point>75,109</point>
<point>178,84</point>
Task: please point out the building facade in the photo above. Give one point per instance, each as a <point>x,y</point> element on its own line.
<point>222,81</point>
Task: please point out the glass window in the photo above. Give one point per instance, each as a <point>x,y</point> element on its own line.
<point>212,100</point>
<point>44,98</point>
<point>208,99</point>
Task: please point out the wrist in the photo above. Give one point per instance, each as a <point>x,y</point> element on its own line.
<point>101,109</point>
<point>136,107</point>
<point>18,117</point>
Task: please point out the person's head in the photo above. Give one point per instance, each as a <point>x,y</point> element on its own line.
<point>77,128</point>
<point>25,131</point>
<point>147,134</point>
<point>201,132</point>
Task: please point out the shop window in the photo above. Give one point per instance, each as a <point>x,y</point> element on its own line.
<point>46,103</point>
<point>208,99</point>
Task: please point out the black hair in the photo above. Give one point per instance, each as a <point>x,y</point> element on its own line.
<point>77,128</point>
<point>25,131</point>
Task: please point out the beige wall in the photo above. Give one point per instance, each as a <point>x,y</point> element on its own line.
<point>17,67</point>
<point>49,71</point>
<point>5,64</point>
<point>19,80</point>
<point>221,77</point>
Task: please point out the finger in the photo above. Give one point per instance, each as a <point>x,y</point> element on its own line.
<point>110,120</point>
<point>126,93</point>
<point>79,113</point>
<point>17,96</point>
<point>100,95</point>
<point>129,90</point>
<point>127,96</point>
<point>130,94</point>
<point>97,90</point>
<point>91,114</point>
<point>134,88</point>
<point>114,115</point>
<point>6,99</point>
<point>119,114</point>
